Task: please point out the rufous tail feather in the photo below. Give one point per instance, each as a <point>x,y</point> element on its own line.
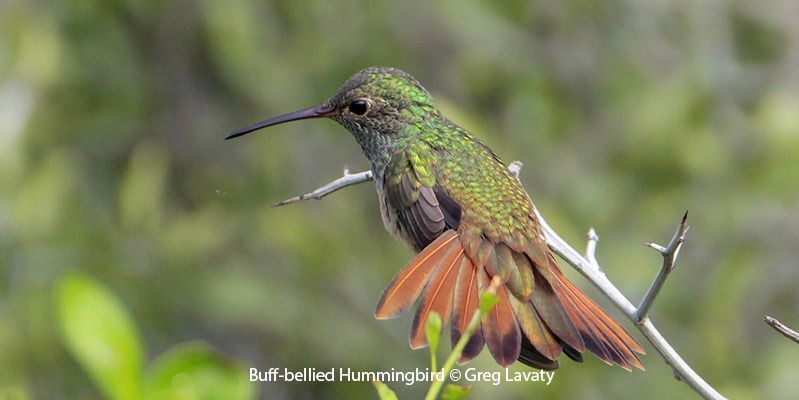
<point>540,314</point>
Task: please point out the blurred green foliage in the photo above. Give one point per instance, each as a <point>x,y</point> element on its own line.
<point>112,115</point>
<point>100,335</point>
<point>194,371</point>
<point>383,391</point>
<point>102,338</point>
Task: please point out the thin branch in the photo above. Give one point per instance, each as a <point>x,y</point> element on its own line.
<point>781,328</point>
<point>590,247</point>
<point>670,254</point>
<point>347,179</point>
<point>591,270</point>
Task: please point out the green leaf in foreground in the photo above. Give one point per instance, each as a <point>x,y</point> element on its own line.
<point>433,333</point>
<point>487,301</point>
<point>99,333</point>
<point>455,392</point>
<point>384,391</point>
<point>193,371</point>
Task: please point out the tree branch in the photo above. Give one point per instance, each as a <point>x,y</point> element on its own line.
<point>590,268</point>
<point>669,254</point>
<point>590,247</point>
<point>347,179</point>
<point>781,328</point>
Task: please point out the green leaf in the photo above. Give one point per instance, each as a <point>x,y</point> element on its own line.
<point>433,333</point>
<point>99,333</point>
<point>433,330</point>
<point>193,371</point>
<point>384,391</point>
<point>487,301</point>
<point>455,392</point>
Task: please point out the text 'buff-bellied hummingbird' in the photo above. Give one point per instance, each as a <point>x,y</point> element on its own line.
<point>450,198</point>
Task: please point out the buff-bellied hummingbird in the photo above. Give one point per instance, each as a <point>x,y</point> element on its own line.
<point>450,198</point>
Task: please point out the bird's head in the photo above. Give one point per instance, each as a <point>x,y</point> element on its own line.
<point>380,106</point>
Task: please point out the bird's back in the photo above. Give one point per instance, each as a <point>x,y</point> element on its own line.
<point>491,199</point>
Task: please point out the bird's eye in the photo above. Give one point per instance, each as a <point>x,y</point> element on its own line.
<point>359,107</point>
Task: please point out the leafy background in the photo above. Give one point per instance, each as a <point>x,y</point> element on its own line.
<point>114,178</point>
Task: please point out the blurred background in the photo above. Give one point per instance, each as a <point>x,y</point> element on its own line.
<point>119,198</point>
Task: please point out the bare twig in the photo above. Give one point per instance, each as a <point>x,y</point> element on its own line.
<point>669,253</point>
<point>781,328</point>
<point>592,272</point>
<point>590,248</point>
<point>347,179</point>
<point>515,168</point>
<point>590,268</point>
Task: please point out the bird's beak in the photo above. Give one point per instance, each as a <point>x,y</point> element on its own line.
<point>320,111</point>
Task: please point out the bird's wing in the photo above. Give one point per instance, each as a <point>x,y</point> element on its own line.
<point>472,221</point>
<point>428,217</point>
<point>423,211</point>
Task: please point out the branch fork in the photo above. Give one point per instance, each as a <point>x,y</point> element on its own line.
<point>670,254</point>
<point>589,267</point>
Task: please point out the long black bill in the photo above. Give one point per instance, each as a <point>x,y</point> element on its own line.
<point>308,113</point>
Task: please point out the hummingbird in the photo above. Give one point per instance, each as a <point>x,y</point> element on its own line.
<point>452,200</point>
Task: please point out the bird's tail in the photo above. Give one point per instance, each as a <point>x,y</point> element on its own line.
<point>534,326</point>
